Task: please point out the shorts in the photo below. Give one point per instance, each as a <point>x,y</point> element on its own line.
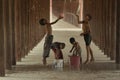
<point>87,38</point>
<point>47,45</point>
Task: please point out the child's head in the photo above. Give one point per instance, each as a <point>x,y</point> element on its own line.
<point>43,21</point>
<point>88,17</point>
<point>72,40</point>
<point>62,45</point>
<point>58,45</point>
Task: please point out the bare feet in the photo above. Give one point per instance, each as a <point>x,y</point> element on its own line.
<point>44,62</point>
<point>92,60</point>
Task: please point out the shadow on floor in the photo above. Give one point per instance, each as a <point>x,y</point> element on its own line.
<point>95,66</point>
<point>101,66</point>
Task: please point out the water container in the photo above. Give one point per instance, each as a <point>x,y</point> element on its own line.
<point>74,62</point>
<point>58,63</point>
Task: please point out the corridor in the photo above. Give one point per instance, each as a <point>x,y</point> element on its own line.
<point>31,67</point>
<point>22,38</point>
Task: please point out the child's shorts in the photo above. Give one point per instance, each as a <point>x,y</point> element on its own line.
<point>47,45</point>
<point>87,38</point>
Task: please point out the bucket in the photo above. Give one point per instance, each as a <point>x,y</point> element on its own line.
<point>75,62</point>
<point>58,63</point>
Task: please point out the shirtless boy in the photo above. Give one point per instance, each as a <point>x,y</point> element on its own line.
<point>49,36</point>
<point>87,36</point>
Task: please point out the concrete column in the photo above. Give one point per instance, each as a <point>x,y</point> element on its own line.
<point>118,33</point>
<point>104,23</point>
<point>17,30</point>
<point>7,34</point>
<point>23,26</point>
<point>2,55</point>
<point>106,27</point>
<point>13,31</point>
<point>113,29</point>
<point>102,27</point>
<point>26,26</point>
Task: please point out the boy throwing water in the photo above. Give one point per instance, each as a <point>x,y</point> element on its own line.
<point>49,36</point>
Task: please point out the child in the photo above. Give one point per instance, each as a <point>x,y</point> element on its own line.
<point>87,36</point>
<point>56,47</point>
<point>49,36</point>
<point>76,49</point>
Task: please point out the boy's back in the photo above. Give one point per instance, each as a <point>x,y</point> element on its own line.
<point>57,50</point>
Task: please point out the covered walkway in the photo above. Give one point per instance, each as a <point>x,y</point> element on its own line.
<point>22,38</point>
<point>31,67</point>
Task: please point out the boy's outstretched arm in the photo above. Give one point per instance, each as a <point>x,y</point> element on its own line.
<point>71,49</point>
<point>79,22</point>
<point>60,17</point>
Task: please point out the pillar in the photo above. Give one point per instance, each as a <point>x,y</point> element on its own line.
<point>18,30</point>
<point>12,2</point>
<point>118,33</point>
<point>2,55</point>
<point>7,33</point>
